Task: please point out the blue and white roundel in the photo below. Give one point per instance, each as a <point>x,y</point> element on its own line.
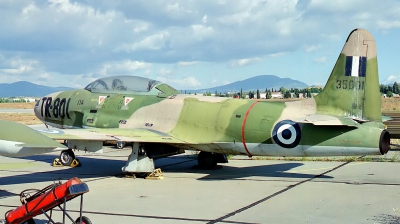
<point>287,134</point>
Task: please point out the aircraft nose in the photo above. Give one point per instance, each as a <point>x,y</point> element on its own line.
<point>37,109</point>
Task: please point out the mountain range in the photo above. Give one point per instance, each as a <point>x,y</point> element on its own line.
<point>260,82</point>
<point>27,89</point>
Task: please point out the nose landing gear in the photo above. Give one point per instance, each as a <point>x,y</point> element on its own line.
<point>67,158</point>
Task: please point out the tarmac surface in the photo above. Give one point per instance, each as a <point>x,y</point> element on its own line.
<point>27,111</point>
<point>241,191</point>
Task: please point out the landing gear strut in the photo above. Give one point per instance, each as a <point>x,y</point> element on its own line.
<point>138,162</point>
<point>208,160</point>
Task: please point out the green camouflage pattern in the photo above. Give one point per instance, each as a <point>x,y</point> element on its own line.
<point>344,119</point>
<point>19,140</point>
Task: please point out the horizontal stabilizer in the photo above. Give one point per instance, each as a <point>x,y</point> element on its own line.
<point>386,118</point>
<point>327,120</point>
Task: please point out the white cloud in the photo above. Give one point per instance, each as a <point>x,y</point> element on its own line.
<point>243,62</point>
<point>45,76</point>
<point>123,67</point>
<point>276,55</point>
<point>184,83</point>
<point>18,66</point>
<point>191,81</point>
<point>204,19</point>
<point>154,42</point>
<point>177,8</point>
<point>388,24</point>
<point>391,79</point>
<point>201,32</point>
<point>187,63</point>
<point>165,72</point>
<point>321,59</point>
<point>147,72</point>
<point>312,48</point>
<point>226,82</point>
<point>68,37</point>
<point>30,9</point>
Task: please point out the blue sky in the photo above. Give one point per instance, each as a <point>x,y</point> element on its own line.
<point>188,44</point>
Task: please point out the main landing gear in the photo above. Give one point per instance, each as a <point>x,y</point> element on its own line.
<point>138,164</point>
<point>208,160</point>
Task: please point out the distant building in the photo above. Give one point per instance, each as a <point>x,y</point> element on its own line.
<point>277,95</point>
<point>29,100</point>
<point>23,99</point>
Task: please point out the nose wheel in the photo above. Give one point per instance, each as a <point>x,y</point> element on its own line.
<point>66,157</point>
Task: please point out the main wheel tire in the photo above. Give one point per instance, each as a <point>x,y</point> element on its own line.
<point>120,145</point>
<point>142,174</point>
<point>206,160</point>
<point>85,220</point>
<point>66,157</point>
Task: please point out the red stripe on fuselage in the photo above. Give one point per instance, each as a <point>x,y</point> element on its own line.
<point>244,126</point>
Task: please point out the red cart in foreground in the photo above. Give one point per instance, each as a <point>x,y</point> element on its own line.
<point>36,202</point>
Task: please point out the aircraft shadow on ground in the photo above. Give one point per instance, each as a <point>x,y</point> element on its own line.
<point>226,172</point>
<point>6,194</point>
<point>91,168</point>
<point>106,167</point>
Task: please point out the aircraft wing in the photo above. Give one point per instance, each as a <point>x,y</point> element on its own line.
<point>320,119</point>
<point>40,146</point>
<point>111,134</point>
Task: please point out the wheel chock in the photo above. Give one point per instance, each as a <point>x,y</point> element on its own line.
<point>130,175</point>
<point>75,163</point>
<point>157,174</point>
<point>57,163</point>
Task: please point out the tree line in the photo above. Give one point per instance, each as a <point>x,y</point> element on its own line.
<point>286,93</point>
<point>7,100</point>
<point>389,90</point>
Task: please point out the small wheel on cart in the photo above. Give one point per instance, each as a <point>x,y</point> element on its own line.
<point>30,221</point>
<point>85,220</point>
<point>66,157</point>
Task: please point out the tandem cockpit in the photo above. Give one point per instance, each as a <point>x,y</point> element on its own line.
<point>130,85</point>
<point>69,108</point>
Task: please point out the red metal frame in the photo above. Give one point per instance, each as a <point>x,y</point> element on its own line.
<point>47,201</point>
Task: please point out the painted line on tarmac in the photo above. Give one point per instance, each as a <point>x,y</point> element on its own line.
<point>136,216</point>
<point>324,168</point>
<point>221,219</point>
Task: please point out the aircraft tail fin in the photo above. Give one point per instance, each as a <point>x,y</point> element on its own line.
<point>352,89</point>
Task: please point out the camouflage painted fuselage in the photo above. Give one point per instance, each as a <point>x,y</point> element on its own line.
<point>214,124</point>
<point>344,119</point>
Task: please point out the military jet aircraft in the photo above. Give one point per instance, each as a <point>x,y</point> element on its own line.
<point>17,140</point>
<point>343,120</point>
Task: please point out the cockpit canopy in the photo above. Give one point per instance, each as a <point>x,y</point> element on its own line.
<point>130,85</point>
